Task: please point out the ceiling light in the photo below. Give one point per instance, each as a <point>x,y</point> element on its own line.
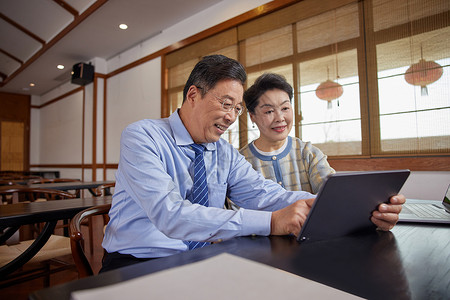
<point>32,84</point>
<point>61,67</point>
<point>123,26</point>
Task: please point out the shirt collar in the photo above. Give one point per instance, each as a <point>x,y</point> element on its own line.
<point>181,135</point>
<point>270,157</point>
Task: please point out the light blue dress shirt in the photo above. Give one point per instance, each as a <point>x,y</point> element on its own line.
<point>151,212</point>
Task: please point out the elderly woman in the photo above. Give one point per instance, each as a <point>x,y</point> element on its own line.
<point>293,163</point>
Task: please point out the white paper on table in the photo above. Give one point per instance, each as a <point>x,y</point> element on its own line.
<point>224,276</point>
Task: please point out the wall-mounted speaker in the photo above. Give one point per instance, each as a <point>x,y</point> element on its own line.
<point>82,73</point>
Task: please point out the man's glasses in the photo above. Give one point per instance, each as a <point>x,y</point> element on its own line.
<point>227,104</point>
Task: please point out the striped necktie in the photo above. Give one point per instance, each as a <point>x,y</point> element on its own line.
<point>200,187</point>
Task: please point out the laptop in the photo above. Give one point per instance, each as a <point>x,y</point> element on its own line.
<point>427,211</point>
<point>345,203</point>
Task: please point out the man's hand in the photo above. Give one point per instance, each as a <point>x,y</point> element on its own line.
<point>386,216</point>
<point>290,219</point>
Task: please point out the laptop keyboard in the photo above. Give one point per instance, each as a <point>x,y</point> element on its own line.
<point>427,211</point>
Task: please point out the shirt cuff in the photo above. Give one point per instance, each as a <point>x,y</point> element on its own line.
<point>255,222</point>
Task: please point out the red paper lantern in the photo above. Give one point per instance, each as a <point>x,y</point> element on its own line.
<point>329,90</point>
<point>423,73</point>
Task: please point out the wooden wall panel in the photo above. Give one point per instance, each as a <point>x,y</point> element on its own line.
<point>12,146</point>
<point>15,110</point>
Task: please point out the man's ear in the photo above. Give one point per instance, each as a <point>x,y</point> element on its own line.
<point>192,93</point>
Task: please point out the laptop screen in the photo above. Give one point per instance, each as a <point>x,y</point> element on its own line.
<point>446,201</point>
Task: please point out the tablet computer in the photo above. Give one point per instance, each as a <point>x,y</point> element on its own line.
<point>346,201</point>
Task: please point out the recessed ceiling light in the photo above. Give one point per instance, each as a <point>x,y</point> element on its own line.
<point>123,26</point>
<point>32,84</point>
<point>61,67</point>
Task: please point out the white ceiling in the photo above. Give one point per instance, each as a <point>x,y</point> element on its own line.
<point>29,53</point>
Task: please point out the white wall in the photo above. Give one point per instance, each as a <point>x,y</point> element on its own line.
<point>132,95</point>
<point>35,118</point>
<point>60,131</point>
<point>99,125</point>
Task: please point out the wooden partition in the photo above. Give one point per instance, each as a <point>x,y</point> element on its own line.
<point>14,132</point>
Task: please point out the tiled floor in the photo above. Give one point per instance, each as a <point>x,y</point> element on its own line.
<point>21,291</point>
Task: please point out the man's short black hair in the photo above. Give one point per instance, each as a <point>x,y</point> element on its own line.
<point>212,69</point>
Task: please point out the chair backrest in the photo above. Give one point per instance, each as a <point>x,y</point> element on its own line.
<point>77,240</point>
<point>6,182</point>
<point>23,193</point>
<point>104,189</point>
<point>17,176</point>
<point>56,180</point>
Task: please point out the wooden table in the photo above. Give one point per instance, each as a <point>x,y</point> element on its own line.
<point>12,216</point>
<point>411,262</point>
<point>63,186</point>
<point>71,185</point>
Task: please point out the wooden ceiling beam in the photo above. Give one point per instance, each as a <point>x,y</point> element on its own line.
<point>11,56</point>
<point>67,7</point>
<point>21,28</point>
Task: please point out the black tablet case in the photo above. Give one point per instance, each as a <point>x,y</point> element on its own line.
<point>346,201</point>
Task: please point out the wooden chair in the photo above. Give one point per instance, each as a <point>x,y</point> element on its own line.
<point>16,179</point>
<point>6,182</point>
<point>17,176</point>
<point>104,189</point>
<point>55,180</point>
<point>77,240</point>
<point>46,261</point>
<point>101,190</point>
<point>21,193</point>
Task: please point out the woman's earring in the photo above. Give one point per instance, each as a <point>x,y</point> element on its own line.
<point>253,125</point>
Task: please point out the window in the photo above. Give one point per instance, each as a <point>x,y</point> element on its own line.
<point>364,46</point>
<point>334,126</point>
<point>178,76</point>
<point>412,118</point>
